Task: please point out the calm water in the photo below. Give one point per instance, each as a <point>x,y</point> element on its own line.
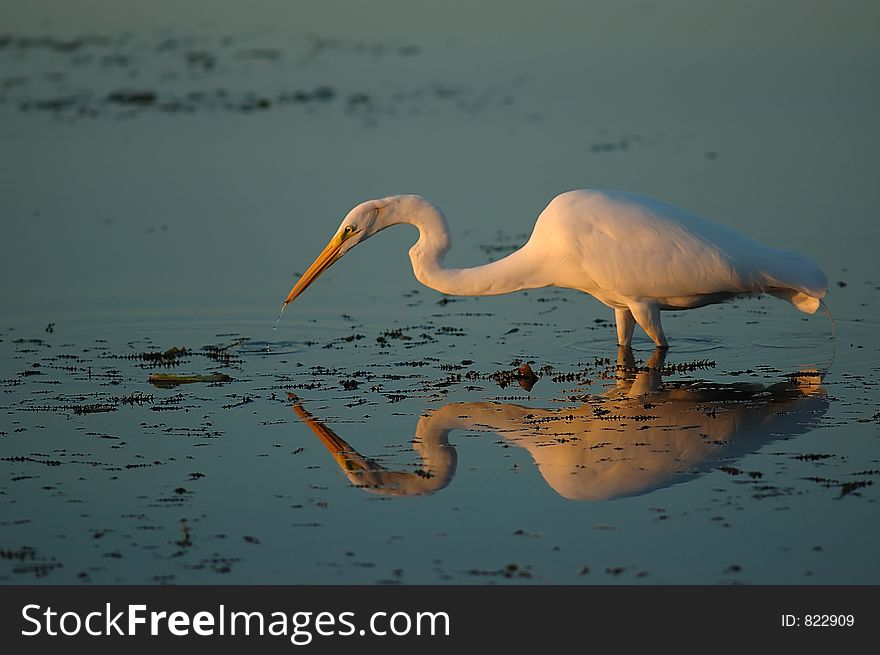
<point>166,173</point>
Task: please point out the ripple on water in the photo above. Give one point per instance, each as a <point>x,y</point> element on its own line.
<point>791,341</point>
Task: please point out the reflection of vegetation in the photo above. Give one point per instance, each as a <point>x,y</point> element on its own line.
<point>223,354</point>
<point>168,357</point>
<point>642,434</point>
<point>95,408</point>
<point>172,357</point>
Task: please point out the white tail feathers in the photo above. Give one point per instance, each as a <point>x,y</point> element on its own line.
<point>805,303</point>
<point>797,279</point>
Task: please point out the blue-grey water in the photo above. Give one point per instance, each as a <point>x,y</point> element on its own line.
<point>166,171</point>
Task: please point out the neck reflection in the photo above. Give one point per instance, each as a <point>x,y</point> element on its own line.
<point>641,435</point>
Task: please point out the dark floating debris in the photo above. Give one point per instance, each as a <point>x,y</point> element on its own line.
<point>20,42</point>
<point>133,98</point>
<point>244,401</point>
<point>846,488</point>
<point>186,541</point>
<point>21,554</point>
<point>222,353</point>
<point>28,561</point>
<point>136,398</point>
<point>813,457</point>
<point>205,60</point>
<point>849,487</point>
<point>96,408</point>
<point>509,571</point>
<point>666,369</point>
<point>20,458</point>
<point>201,59</point>
<point>524,375</point>
<point>168,357</point>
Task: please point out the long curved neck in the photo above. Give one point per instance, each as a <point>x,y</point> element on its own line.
<point>512,273</point>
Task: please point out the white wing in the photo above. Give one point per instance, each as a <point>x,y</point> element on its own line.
<point>637,247</point>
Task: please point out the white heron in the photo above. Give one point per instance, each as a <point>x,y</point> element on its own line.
<point>637,255</point>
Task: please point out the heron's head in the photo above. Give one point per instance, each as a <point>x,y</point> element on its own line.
<point>360,224</point>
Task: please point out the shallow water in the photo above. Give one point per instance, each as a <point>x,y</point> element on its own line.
<point>410,452</point>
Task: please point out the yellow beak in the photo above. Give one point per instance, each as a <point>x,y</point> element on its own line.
<point>325,260</point>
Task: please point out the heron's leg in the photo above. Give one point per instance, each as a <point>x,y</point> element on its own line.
<point>648,316</point>
<point>625,324</point>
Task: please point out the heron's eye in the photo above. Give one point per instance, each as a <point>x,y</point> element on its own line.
<point>348,231</point>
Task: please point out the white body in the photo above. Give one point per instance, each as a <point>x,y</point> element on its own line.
<point>624,249</point>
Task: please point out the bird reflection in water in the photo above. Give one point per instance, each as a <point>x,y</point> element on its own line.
<point>642,434</point>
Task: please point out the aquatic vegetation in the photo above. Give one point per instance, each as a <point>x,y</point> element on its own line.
<point>166,380</point>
